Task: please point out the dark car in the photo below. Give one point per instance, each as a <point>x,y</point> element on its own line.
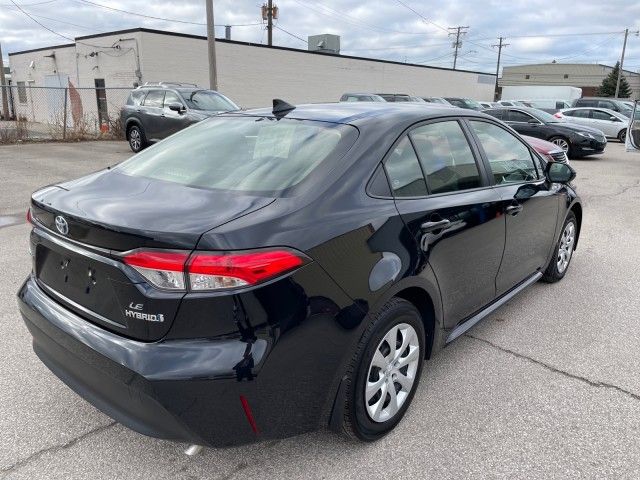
<point>466,103</point>
<point>400,97</point>
<point>154,112</point>
<point>361,97</point>
<point>615,104</point>
<point>268,273</point>
<point>575,140</point>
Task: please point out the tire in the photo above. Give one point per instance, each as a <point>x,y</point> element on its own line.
<point>136,138</point>
<point>563,143</point>
<point>563,252</point>
<point>360,420</point>
<point>622,136</point>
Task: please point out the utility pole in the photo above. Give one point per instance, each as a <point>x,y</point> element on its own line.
<point>457,31</point>
<point>211,43</point>
<point>5,90</point>
<point>624,47</point>
<point>500,47</point>
<point>270,23</point>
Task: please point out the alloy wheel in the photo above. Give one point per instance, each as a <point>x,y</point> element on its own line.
<point>566,247</point>
<point>562,143</point>
<point>392,372</point>
<point>134,139</point>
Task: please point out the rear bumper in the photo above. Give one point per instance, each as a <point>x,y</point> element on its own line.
<point>183,390</point>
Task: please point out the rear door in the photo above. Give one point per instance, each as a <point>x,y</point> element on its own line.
<point>152,114</point>
<point>602,120</point>
<point>529,204</point>
<point>580,116</point>
<point>442,193</point>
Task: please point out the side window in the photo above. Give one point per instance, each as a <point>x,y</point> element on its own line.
<point>581,113</point>
<point>606,104</point>
<point>135,97</point>
<point>154,98</point>
<point>171,97</point>
<point>520,117</point>
<point>446,157</point>
<point>496,113</point>
<point>510,159</point>
<point>570,113</point>
<point>600,115</point>
<point>404,172</point>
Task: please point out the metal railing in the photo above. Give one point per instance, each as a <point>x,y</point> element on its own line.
<point>56,113</point>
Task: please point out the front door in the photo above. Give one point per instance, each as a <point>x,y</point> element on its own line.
<point>529,204</point>
<point>172,121</point>
<point>442,194</point>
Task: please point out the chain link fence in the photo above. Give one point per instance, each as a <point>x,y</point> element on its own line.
<point>48,113</point>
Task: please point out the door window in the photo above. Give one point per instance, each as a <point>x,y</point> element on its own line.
<point>607,104</point>
<point>581,113</point>
<point>520,117</point>
<point>509,158</point>
<point>500,114</point>
<point>446,157</point>
<point>171,97</point>
<point>600,115</point>
<point>154,98</point>
<point>404,172</point>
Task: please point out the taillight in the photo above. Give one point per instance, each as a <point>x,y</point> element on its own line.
<point>210,271</point>
<point>29,217</point>
<point>162,269</point>
<point>558,115</point>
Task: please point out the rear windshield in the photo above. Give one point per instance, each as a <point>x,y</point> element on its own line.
<point>208,101</point>
<point>249,154</point>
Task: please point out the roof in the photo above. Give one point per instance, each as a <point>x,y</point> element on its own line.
<point>236,42</point>
<point>357,113</point>
<point>571,67</point>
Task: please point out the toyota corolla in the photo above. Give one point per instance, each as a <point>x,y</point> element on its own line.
<point>271,272</point>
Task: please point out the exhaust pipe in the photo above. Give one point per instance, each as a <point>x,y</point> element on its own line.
<point>193,450</point>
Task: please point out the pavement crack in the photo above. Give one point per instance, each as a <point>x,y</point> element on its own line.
<point>553,369</point>
<point>53,449</point>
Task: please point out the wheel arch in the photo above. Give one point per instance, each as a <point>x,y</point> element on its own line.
<point>421,299</point>
<point>129,123</point>
<point>576,208</point>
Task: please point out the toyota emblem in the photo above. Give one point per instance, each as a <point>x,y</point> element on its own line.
<point>62,225</point>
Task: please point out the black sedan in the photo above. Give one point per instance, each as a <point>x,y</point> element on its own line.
<point>576,140</point>
<point>270,272</point>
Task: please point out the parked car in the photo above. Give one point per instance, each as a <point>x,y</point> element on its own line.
<point>549,105</point>
<point>611,123</point>
<point>632,140</point>
<point>575,140</point>
<point>439,100</point>
<point>464,103</point>
<point>155,111</point>
<point>549,151</point>
<point>400,97</point>
<point>488,104</point>
<point>361,97</point>
<point>276,271</point>
<point>511,103</point>
<point>615,104</point>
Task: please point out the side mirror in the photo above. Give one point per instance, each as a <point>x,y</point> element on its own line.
<point>177,107</point>
<point>559,172</point>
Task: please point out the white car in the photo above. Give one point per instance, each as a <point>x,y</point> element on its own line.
<point>611,123</point>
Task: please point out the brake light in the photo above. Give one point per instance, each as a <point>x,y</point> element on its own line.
<point>162,269</point>
<point>209,271</point>
<point>29,217</point>
<point>558,115</point>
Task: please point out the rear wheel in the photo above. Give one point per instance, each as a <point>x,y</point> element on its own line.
<point>136,138</point>
<point>385,371</point>
<point>563,143</point>
<point>622,136</point>
<point>563,252</point>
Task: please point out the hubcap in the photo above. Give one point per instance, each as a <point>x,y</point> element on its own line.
<point>392,372</point>
<point>562,144</point>
<point>566,247</point>
<point>134,138</point>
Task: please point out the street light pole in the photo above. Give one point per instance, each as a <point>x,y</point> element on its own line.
<point>211,43</point>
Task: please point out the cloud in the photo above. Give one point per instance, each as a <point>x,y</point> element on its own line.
<point>386,30</point>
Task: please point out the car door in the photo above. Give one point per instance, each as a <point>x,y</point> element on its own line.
<point>172,121</point>
<point>453,215</point>
<point>581,116</point>
<point>602,121</point>
<point>152,114</point>
<point>525,124</point>
<point>530,205</point>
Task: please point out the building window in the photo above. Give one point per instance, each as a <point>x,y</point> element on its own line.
<point>566,75</point>
<point>22,92</point>
<point>527,77</point>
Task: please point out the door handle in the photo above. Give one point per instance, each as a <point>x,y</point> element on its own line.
<point>437,225</point>
<point>514,210</point>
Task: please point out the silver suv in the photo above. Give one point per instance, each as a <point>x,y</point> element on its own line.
<point>155,111</point>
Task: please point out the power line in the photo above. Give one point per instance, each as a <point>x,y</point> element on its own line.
<point>291,34</point>
<point>424,19</point>
<point>28,4</point>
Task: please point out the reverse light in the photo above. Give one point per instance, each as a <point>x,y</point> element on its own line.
<point>211,271</point>
<point>162,269</point>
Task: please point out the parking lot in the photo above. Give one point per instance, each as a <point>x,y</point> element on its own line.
<point>547,387</point>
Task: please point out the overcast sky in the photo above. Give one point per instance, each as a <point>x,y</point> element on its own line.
<point>535,29</point>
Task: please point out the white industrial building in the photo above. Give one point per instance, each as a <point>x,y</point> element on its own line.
<point>250,74</point>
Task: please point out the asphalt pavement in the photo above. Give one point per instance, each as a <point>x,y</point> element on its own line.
<point>547,387</point>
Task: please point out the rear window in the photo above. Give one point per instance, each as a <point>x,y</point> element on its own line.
<point>250,154</point>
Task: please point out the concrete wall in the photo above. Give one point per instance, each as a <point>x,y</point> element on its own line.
<point>249,74</point>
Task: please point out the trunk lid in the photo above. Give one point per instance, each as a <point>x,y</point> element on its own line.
<point>105,214</point>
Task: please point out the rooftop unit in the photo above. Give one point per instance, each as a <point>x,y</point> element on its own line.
<point>326,43</point>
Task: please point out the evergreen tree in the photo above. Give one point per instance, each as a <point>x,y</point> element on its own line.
<point>608,87</point>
